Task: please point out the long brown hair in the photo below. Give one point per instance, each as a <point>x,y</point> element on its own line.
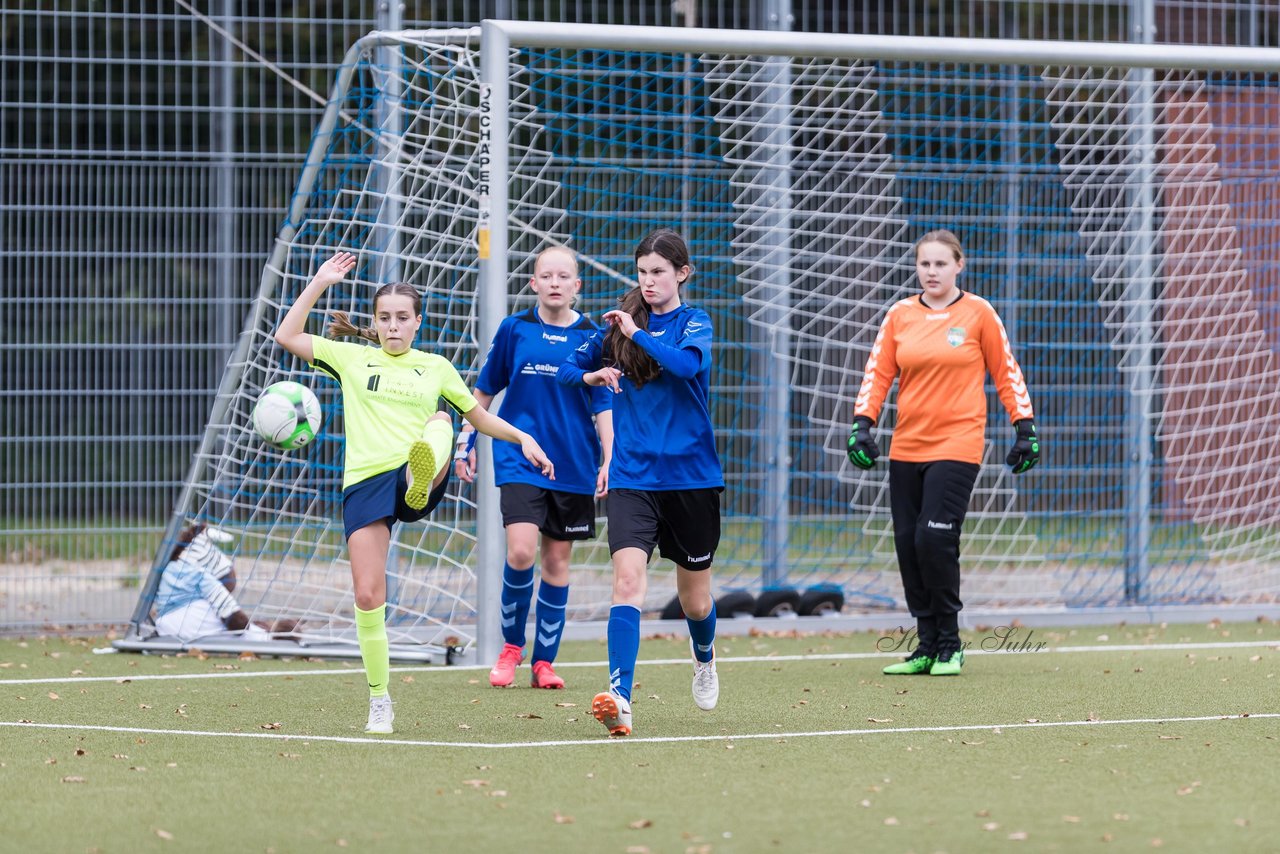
<point>626,354</point>
<point>342,327</point>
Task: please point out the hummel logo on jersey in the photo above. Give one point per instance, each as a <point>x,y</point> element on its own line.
<point>693,559</point>
<point>558,339</point>
<point>940,316</point>
<point>946,526</point>
<point>578,529</point>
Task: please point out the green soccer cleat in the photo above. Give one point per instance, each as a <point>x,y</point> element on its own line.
<point>422,465</point>
<point>948,665</point>
<point>917,663</point>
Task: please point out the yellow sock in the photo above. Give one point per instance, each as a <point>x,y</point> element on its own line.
<point>371,633</point>
<point>439,435</point>
<point>427,458</point>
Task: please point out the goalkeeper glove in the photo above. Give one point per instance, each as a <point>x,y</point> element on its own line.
<point>862,445</point>
<point>1026,448</point>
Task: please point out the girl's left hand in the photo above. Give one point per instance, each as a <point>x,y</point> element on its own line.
<point>602,481</point>
<point>533,453</point>
<point>622,320</point>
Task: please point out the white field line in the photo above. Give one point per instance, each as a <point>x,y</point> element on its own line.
<point>736,659</point>
<point>595,742</point>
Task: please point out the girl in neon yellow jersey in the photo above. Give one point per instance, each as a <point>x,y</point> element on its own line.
<point>398,444</point>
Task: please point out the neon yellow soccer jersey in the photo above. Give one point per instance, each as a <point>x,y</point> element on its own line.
<point>386,400</point>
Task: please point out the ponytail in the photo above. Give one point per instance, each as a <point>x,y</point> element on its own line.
<point>342,327</point>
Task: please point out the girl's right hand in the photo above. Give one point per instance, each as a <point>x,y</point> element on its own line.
<point>608,377</point>
<point>332,271</point>
<point>466,469</point>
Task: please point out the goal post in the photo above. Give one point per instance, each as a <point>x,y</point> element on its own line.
<point>1117,203</point>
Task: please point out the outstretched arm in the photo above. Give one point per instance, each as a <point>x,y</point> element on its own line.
<point>291,334</point>
<point>492,425</point>
<point>464,465</point>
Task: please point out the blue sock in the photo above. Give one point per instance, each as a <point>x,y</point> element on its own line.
<point>624,647</point>
<point>517,592</point>
<point>703,634</point>
<point>549,616</point>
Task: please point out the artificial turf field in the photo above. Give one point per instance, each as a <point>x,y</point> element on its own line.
<point>1117,738</point>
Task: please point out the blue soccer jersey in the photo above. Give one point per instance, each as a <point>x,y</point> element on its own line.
<point>663,438</point>
<point>523,360</point>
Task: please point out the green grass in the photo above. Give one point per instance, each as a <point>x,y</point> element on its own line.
<point>1003,786</point>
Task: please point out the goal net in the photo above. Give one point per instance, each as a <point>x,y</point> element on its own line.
<point>1123,220</point>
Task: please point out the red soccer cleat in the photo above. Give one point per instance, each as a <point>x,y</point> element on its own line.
<point>544,677</point>
<point>504,672</point>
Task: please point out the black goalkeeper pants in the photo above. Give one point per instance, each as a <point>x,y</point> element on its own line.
<point>929,502</point>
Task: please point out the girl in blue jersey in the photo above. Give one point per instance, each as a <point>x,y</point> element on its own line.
<point>524,356</point>
<point>664,479</point>
<point>397,451</point>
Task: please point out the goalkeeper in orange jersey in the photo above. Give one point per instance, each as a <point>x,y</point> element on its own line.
<point>939,345</point>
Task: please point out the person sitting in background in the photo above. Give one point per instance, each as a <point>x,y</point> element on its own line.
<point>194,598</point>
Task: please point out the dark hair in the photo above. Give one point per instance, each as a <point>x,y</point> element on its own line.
<point>944,237</point>
<point>638,365</point>
<point>188,534</point>
<point>342,327</point>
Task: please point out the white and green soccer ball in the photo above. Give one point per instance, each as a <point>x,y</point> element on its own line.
<point>287,415</point>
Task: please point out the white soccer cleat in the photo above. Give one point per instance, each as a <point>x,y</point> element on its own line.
<point>380,715</point>
<point>706,685</point>
<point>614,712</point>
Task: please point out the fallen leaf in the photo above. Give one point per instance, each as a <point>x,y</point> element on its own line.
<point>1018,835</point>
<point>529,716</point>
<point>1170,738</point>
<point>640,824</point>
<point>1032,720</point>
<point>991,825</point>
<point>464,726</point>
<point>73,779</point>
<point>53,696</point>
<point>408,680</point>
<point>562,819</point>
<point>163,834</point>
<point>1071,819</point>
<point>270,726</point>
<point>891,822</point>
<point>80,751</point>
<point>566,705</point>
<point>637,849</point>
<point>475,784</point>
<point>880,720</point>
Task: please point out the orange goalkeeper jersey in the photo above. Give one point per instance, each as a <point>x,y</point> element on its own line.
<point>941,357</point>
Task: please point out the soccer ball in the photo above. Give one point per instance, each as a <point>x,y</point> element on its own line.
<point>287,415</point>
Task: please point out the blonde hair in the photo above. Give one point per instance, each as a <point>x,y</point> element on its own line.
<point>342,327</point>
<point>564,250</point>
<point>944,237</point>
